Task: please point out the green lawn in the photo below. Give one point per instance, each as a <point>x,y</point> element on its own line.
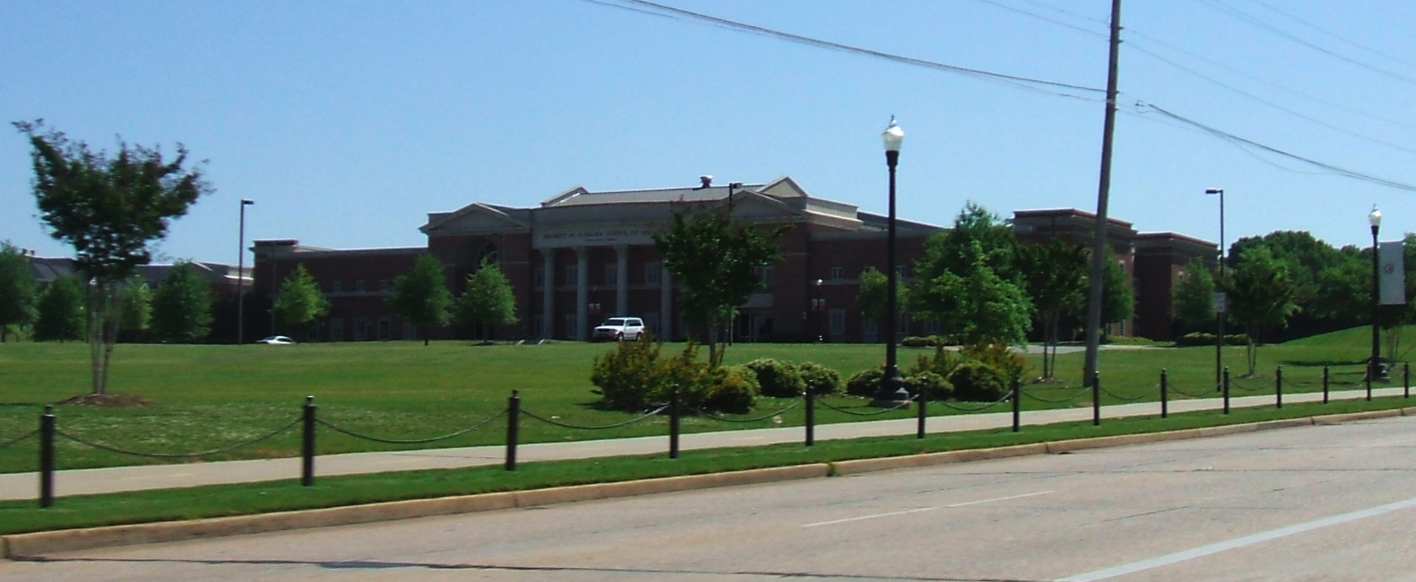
<point>208,397</point>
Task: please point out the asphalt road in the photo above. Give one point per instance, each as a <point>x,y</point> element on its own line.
<point>1316,503</point>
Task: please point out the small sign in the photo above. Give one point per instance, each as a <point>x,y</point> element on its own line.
<point>1221,302</point>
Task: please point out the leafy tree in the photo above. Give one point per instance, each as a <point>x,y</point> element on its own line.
<point>953,250</point>
<point>1117,301</point>
<point>975,305</point>
<point>108,208</point>
<point>874,295</point>
<point>300,300</point>
<point>421,295</point>
<point>1193,295</point>
<point>716,262</point>
<point>136,314</point>
<point>488,299</point>
<point>1305,257</point>
<point>181,306</point>
<point>1055,276</point>
<point>17,297</point>
<point>1344,290</point>
<point>61,311</point>
<point>1260,296</point>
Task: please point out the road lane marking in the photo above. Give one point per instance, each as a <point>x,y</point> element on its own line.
<point>923,509</point>
<point>1238,542</point>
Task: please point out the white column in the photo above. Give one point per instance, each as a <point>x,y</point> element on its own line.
<point>622,280</point>
<point>582,291</point>
<point>548,294</point>
<point>666,304</point>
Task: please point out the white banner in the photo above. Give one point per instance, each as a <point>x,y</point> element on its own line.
<point>1393,275</point>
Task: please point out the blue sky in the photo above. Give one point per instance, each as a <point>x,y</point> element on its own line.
<point>347,122</point>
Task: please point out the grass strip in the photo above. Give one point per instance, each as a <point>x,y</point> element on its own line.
<point>287,495</point>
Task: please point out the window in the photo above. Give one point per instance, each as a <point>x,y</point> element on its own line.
<point>764,274</point>
<point>651,273</point>
<point>611,274</point>
<point>336,329</point>
<point>361,330</point>
<point>385,329</point>
<point>538,277</point>
<point>336,286</point>
<point>572,325</point>
<point>903,271</point>
<point>572,274</point>
<point>837,273</point>
<point>837,322</point>
<point>539,326</point>
<point>385,285</point>
<point>359,286</point>
<point>651,323</point>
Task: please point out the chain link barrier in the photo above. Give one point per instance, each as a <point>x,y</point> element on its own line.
<point>1005,398</point>
<point>602,427</point>
<point>711,416</point>
<point>898,406</point>
<point>1263,385</point>
<point>1171,387</point>
<point>218,451</point>
<point>16,441</point>
<point>411,441</point>
<point>1153,391</point>
<point>1062,401</point>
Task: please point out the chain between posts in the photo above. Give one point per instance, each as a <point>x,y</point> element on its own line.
<point>412,441</point>
<point>113,449</point>
<point>708,415</point>
<point>646,415</point>
<point>21,438</point>
<point>902,404</point>
<point>1071,398</point>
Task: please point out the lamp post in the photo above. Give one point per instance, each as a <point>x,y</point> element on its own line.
<point>1374,367</point>
<point>892,391</point>
<point>1221,303</point>
<point>241,276</point>
<point>819,307</point>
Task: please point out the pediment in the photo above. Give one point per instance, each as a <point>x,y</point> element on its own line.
<point>784,187</point>
<point>471,219</point>
<point>753,205</point>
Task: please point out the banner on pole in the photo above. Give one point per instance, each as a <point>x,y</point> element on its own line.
<point>1393,273</point>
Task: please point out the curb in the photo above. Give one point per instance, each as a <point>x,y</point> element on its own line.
<point>20,546</point>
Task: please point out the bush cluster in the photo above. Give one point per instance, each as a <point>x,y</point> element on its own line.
<point>634,377</point>
<point>981,372</point>
<point>866,382</point>
<point>821,379</point>
<point>1201,338</point>
<point>932,341</point>
<point>778,379</point>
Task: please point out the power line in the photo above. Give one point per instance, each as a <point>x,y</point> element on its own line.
<point>1019,81</point>
<point>1332,34</point>
<point>1043,18</point>
<point>1241,141</point>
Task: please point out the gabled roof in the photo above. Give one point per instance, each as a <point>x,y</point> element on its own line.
<point>579,196</point>
<point>475,216</point>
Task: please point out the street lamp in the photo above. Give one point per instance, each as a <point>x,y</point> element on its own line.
<point>1374,367</point>
<point>1221,307</point>
<point>892,391</point>
<point>241,276</point>
<point>819,306</point>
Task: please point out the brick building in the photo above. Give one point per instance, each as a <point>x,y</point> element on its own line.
<point>582,256</point>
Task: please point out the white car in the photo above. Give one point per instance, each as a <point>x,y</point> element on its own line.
<point>276,340</point>
<point>620,328</point>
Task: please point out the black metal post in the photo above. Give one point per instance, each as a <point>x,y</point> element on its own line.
<point>1226,389</point>
<point>1164,394</point>
<point>1017,404</point>
<point>307,447</point>
<point>46,457</point>
<point>1325,384</point>
<point>1374,366</point>
<point>1406,379</point>
<point>1096,398</point>
<point>923,397</point>
<point>810,415</point>
<point>1278,387</point>
<point>513,429</point>
<point>674,425</point>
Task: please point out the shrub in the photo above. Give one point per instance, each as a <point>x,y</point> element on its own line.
<point>865,383</point>
<point>730,389</point>
<point>628,377</point>
<point>939,387</point>
<point>943,363</point>
<point>824,380</point>
<point>777,379</point>
<point>1201,338</point>
<point>996,355</point>
<point>978,382</point>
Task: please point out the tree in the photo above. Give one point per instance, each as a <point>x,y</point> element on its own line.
<point>1260,296</point>
<point>136,305</point>
<point>108,209</point>
<point>17,298</point>
<point>300,300</point>
<point>967,279</point>
<point>61,311</point>
<point>1055,276</point>
<point>488,299</point>
<point>716,262</point>
<point>421,295</point>
<point>1193,295</point>
<point>874,296</point>
<point>181,306</point>
<point>1117,301</point>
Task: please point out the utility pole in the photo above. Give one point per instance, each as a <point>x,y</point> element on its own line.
<point>1102,193</point>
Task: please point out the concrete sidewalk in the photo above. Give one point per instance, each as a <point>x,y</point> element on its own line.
<point>15,486</point>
